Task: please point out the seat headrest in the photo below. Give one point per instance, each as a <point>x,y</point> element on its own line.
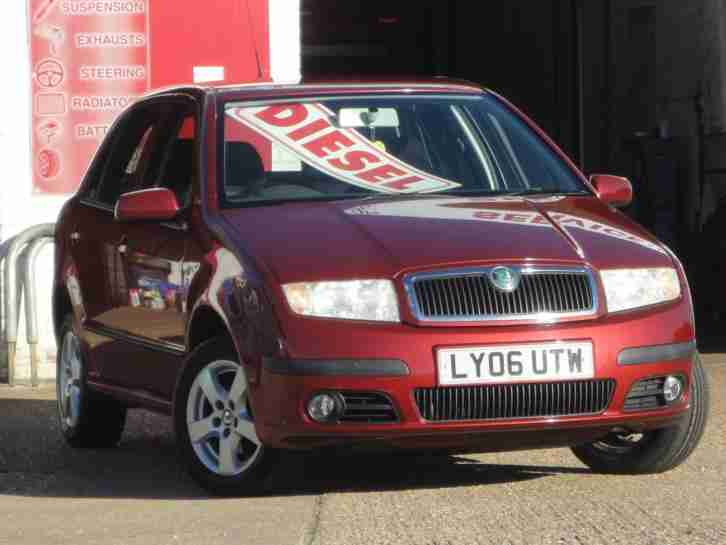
<point>179,170</point>
<point>245,168</point>
<point>180,166</point>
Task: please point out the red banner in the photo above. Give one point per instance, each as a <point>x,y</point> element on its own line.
<point>89,61</point>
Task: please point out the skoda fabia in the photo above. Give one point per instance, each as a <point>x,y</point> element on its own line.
<point>405,265</point>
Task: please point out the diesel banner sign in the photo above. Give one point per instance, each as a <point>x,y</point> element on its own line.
<point>307,131</point>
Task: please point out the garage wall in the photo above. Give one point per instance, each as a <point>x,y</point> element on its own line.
<point>15,130</point>
<point>371,37</point>
<point>663,54</point>
<point>528,52</point>
<point>19,208</point>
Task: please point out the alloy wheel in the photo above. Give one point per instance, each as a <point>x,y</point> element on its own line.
<point>219,421</point>
<point>622,443</point>
<point>69,381</point>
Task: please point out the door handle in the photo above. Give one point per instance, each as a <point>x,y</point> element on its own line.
<point>75,236</point>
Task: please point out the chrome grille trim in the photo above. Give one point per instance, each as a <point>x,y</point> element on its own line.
<point>514,401</point>
<point>545,294</point>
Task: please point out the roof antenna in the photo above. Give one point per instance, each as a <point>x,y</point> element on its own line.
<point>254,41</point>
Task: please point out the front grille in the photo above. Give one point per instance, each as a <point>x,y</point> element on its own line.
<point>368,407</point>
<point>511,401</point>
<point>471,296</point>
<point>646,395</point>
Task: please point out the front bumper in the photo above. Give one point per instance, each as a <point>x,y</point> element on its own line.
<point>396,360</point>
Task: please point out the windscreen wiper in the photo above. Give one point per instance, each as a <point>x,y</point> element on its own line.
<point>531,192</point>
<point>505,193</point>
<point>272,202</point>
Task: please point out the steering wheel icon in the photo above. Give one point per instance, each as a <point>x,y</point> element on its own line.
<point>49,73</point>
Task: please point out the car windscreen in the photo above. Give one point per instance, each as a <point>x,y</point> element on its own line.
<point>338,148</point>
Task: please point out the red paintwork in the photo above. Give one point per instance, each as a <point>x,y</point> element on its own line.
<point>245,256</point>
<point>347,245</point>
<point>613,190</point>
<point>149,204</point>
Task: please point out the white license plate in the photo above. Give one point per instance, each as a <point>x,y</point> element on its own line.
<point>515,363</point>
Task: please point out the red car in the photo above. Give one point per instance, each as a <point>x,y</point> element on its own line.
<point>405,265</point>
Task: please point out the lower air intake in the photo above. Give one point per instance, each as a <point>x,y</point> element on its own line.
<point>646,395</point>
<point>513,401</point>
<point>368,408</point>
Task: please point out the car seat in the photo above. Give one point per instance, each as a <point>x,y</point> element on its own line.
<point>180,170</point>
<point>245,171</point>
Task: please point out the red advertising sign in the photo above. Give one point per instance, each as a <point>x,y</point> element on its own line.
<point>89,61</point>
<point>210,41</point>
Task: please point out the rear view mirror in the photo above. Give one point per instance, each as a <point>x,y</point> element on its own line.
<point>613,190</point>
<point>157,204</point>
<point>353,118</point>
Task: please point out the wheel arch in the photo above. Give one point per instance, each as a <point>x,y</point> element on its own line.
<point>61,307</point>
<point>206,324</point>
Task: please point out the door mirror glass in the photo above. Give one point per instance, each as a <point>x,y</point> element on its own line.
<point>613,190</point>
<point>157,204</point>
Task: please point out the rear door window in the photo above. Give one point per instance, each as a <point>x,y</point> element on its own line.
<point>153,148</point>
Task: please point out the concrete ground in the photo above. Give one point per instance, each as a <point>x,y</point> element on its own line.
<point>138,494</point>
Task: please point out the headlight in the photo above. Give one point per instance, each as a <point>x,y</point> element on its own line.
<point>633,288</point>
<point>371,300</point>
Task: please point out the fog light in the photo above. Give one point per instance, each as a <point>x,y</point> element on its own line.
<point>672,389</point>
<point>324,407</point>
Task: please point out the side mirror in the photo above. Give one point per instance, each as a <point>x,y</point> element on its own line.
<point>613,190</point>
<point>157,204</point>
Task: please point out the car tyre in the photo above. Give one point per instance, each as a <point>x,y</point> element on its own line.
<point>87,419</point>
<point>655,451</point>
<point>214,424</point>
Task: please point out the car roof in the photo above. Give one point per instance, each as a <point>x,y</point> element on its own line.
<point>327,86</point>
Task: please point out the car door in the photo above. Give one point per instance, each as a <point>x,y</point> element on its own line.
<point>95,235</point>
<point>158,261</point>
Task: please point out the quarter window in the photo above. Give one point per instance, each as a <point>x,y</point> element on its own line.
<point>138,152</point>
